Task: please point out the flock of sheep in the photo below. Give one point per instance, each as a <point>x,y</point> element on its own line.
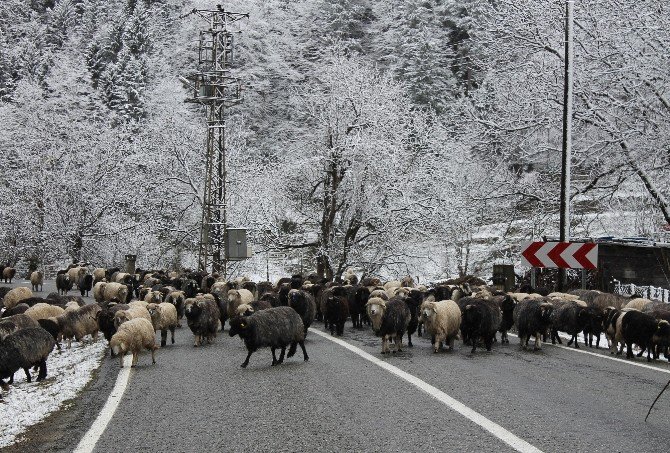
<point>131,308</point>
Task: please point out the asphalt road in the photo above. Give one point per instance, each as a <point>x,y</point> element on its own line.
<point>199,399</point>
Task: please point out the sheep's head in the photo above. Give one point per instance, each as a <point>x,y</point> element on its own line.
<point>662,334</point>
<point>375,309</point>
<point>120,317</point>
<point>234,295</point>
<point>192,308</point>
<point>546,309</point>
<point>245,310</point>
<point>239,326</point>
<point>429,310</point>
<point>118,346</point>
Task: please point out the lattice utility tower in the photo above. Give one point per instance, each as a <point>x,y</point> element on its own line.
<point>216,89</point>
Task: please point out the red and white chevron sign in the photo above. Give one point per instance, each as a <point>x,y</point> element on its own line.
<point>567,255</point>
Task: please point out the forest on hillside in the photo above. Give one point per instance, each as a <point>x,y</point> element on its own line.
<point>394,137</point>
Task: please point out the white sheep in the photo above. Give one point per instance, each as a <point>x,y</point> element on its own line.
<point>133,336</point>
<point>99,274</point>
<point>635,304</point>
<point>16,295</point>
<point>123,316</point>
<point>138,303</point>
<point>79,323</point>
<point>163,318</point>
<point>115,292</point>
<point>99,292</point>
<point>442,321</point>
<point>44,311</point>
<point>390,286</point>
<point>237,297</point>
<point>37,280</point>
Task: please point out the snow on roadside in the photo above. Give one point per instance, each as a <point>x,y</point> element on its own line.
<point>68,372</point>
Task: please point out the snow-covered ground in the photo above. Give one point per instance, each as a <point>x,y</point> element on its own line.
<point>68,373</point>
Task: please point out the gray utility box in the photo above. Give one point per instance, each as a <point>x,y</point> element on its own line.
<point>130,263</point>
<point>503,277</point>
<point>236,244</point>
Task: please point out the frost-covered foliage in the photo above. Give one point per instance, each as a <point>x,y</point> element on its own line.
<point>404,136</point>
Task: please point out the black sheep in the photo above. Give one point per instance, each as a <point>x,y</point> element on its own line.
<point>63,283</point>
<point>282,295</point>
<point>532,317</point>
<point>52,327</point>
<point>480,321</point>
<point>413,301</point>
<point>23,349</point>
<point>203,318</point>
<point>569,317</point>
<point>389,320</point>
<point>296,281</point>
<point>271,298</point>
<point>263,288</point>
<point>16,310</point>
<point>274,328</point>
<point>106,320</point>
<point>206,283</point>
<point>645,331</point>
<point>303,303</point>
<point>3,291</point>
<point>506,304</point>
<point>190,288</point>
<point>594,326</point>
<point>336,314</point>
<point>357,305</point>
<point>40,300</point>
<point>85,284</point>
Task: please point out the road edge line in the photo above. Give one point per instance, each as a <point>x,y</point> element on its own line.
<point>498,431</point>
<point>90,439</point>
<point>603,356</point>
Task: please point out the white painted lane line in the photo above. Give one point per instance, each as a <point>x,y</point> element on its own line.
<point>501,433</point>
<point>602,356</point>
<point>87,443</point>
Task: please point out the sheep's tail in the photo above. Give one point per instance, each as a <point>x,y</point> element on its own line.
<point>652,404</point>
<point>291,350</point>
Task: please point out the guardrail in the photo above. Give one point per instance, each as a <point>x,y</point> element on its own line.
<point>648,292</point>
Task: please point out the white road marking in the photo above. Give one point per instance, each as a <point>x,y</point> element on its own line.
<point>501,433</point>
<point>87,443</point>
<point>603,356</point>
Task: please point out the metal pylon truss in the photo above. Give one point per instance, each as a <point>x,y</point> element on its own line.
<point>217,89</point>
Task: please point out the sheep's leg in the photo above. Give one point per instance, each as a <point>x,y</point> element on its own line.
<point>629,350</point>
<point>409,341</point>
<point>43,370</point>
<point>246,362</point>
<point>474,345</point>
<point>398,343</point>
<point>121,359</point>
<point>281,355</point>
<point>641,353</point>
<point>291,350</point>
<point>274,357</point>
<point>488,342</point>
<point>164,337</point>
<point>384,344</point>
<point>28,377</point>
<point>134,361</point>
<point>197,341</point>
<point>172,333</point>
<point>538,342</point>
<point>304,351</point>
